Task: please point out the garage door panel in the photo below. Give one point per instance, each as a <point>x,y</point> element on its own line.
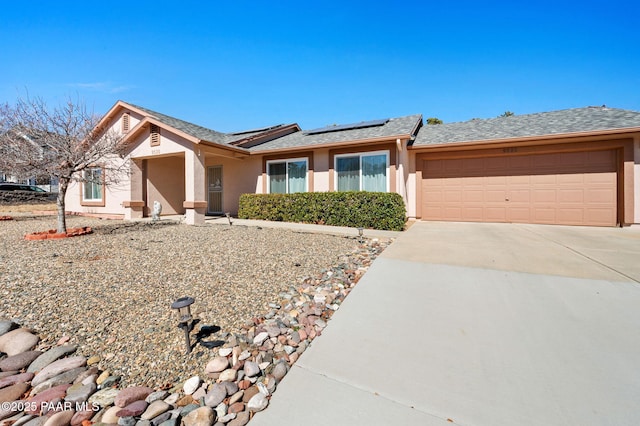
<point>492,196</point>
<point>566,188</point>
<point>495,214</point>
<point>571,196</point>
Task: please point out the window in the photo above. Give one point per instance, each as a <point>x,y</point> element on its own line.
<point>287,176</point>
<point>93,185</point>
<point>362,172</point>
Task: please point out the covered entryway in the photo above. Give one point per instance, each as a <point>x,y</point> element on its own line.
<point>567,188</point>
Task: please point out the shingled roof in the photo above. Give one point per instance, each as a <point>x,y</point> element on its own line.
<point>577,120</point>
<point>395,127</point>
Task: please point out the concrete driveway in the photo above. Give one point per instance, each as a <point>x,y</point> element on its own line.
<point>480,324</point>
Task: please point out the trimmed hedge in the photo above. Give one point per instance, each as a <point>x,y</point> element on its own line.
<point>376,210</point>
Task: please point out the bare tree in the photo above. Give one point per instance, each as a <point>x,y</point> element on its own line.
<point>63,142</point>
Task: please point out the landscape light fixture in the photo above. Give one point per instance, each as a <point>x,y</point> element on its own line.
<point>182,305</point>
<point>229,218</point>
<point>360,232</point>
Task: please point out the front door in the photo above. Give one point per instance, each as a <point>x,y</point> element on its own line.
<point>214,180</point>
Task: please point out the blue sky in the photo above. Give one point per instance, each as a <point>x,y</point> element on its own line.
<point>236,65</point>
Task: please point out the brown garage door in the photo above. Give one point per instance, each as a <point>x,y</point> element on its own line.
<point>577,188</point>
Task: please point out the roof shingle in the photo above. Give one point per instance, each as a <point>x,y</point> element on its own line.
<point>540,124</point>
<point>394,127</point>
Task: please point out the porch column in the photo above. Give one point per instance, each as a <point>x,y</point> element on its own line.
<point>134,207</point>
<point>195,197</point>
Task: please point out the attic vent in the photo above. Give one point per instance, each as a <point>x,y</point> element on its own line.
<point>155,135</point>
<point>125,122</point>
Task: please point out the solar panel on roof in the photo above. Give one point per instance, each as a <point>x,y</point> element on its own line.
<point>261,129</point>
<point>336,128</point>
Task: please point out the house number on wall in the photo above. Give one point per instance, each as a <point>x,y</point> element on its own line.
<point>155,151</point>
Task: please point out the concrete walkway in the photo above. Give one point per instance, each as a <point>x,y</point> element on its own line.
<point>479,324</point>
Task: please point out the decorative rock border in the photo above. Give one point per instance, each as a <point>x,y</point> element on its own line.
<point>52,234</point>
<point>54,387</point>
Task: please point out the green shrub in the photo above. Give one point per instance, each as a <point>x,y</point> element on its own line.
<point>372,210</point>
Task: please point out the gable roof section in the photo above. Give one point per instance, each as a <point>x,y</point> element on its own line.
<point>564,122</point>
<point>194,130</point>
<point>402,127</point>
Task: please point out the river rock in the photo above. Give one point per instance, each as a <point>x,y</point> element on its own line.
<point>154,409</point>
<point>6,326</point>
<point>58,367</point>
<point>16,378</point>
<point>225,351</point>
<point>110,416</point>
<point>13,392</point>
<point>231,387</point>
<point>174,421</point>
<point>78,392</point>
<point>81,416</point>
<point>236,397</point>
<point>216,395</point>
<point>56,392</point>
<point>280,370</point>
<point>251,368</point>
<point>134,409</point>
<point>36,421</point>
<point>18,341</point>
<point>19,361</point>
<point>249,393</point>
<point>258,402</point>
<point>228,375</point>
<point>203,416</point>
<point>103,397</point>
<point>127,421</point>
<point>260,338</point>
<point>63,418</point>
<point>131,394</point>
<point>236,407</point>
<point>50,356</point>
<point>157,395</point>
<point>161,418</point>
<point>60,379</point>
<point>241,419</point>
<point>4,374</point>
<point>217,365</point>
<point>191,385</point>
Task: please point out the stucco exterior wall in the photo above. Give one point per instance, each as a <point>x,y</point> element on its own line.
<point>321,170</point>
<point>115,192</point>
<point>166,184</point>
<point>239,176</point>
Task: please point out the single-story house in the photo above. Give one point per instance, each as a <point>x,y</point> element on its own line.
<point>573,167</point>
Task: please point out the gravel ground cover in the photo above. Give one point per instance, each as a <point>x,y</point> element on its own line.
<point>110,292</point>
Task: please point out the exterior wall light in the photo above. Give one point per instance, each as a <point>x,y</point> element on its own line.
<point>183,307</point>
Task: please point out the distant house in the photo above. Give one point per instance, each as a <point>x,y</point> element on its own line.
<point>46,182</point>
<point>577,166</point>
